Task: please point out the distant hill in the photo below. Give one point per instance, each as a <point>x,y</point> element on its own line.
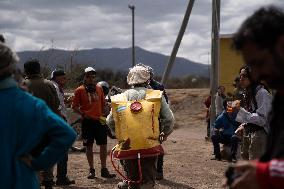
<point>115,59</point>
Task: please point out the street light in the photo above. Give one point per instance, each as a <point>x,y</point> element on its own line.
<point>132,7</point>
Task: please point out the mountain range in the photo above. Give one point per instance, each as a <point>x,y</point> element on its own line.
<point>115,59</point>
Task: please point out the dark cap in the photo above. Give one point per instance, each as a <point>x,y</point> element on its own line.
<point>57,73</point>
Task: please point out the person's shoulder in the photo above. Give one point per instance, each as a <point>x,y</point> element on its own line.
<point>223,115</point>
<point>24,98</point>
<point>262,91</point>
<point>80,88</point>
<point>99,88</point>
<point>157,85</point>
<point>48,82</point>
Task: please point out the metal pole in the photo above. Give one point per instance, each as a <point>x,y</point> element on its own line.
<point>214,57</point>
<point>178,41</point>
<point>133,35</point>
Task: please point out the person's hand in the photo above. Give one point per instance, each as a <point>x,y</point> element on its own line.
<point>216,131</point>
<point>240,130</point>
<point>102,120</point>
<point>247,178</point>
<point>27,159</point>
<point>163,137</point>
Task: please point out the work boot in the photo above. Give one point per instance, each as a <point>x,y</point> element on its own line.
<point>217,157</point>
<point>64,182</point>
<point>48,184</point>
<point>78,149</point>
<point>92,174</point>
<point>105,173</point>
<point>233,159</point>
<point>122,185</point>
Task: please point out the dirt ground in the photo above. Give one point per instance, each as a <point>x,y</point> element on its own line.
<point>187,162</point>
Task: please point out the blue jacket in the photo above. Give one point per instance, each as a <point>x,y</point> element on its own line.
<point>24,120</point>
<point>227,123</point>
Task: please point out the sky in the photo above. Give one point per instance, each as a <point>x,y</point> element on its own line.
<point>87,24</point>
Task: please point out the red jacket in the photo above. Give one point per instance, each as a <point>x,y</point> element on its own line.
<point>90,104</point>
<point>270,175</point>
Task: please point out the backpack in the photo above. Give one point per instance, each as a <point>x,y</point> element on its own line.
<point>137,125</point>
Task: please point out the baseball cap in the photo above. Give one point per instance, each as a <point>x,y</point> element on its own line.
<point>90,69</point>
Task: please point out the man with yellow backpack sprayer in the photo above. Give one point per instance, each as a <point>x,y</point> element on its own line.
<point>135,119</point>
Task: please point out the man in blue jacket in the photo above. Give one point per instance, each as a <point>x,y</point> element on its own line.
<point>224,127</point>
<point>24,121</point>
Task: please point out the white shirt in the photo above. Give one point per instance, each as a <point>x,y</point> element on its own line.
<point>260,116</point>
<point>62,107</point>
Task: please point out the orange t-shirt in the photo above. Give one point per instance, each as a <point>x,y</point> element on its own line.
<point>90,104</point>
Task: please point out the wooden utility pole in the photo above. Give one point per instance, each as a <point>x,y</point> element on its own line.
<point>177,43</point>
<point>214,77</point>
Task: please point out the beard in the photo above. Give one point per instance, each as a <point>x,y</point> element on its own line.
<point>275,80</point>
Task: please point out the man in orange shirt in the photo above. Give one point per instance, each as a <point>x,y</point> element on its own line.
<point>89,102</point>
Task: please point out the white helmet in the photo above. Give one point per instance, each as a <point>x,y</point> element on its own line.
<point>138,75</point>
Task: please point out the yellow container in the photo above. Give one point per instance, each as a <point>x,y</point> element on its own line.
<point>137,131</point>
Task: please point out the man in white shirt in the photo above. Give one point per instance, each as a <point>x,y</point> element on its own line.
<point>58,79</point>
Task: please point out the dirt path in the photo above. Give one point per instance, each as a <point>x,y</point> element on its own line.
<point>187,160</point>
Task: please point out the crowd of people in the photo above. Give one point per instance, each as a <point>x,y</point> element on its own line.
<point>35,134</point>
<point>47,145</point>
<point>251,121</point>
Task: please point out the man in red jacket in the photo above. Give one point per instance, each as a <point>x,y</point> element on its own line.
<point>89,102</point>
<point>261,42</point>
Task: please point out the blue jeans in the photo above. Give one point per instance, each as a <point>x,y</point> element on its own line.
<point>225,139</point>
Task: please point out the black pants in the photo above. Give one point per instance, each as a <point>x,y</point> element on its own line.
<point>208,128</point>
<point>148,166</point>
<point>224,139</point>
<point>160,163</point>
<point>62,167</point>
<point>61,171</point>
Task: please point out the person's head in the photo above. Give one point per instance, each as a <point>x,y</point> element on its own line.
<point>105,87</point>
<point>221,90</point>
<point>261,41</point>
<point>59,77</point>
<point>8,60</point>
<point>32,67</point>
<point>138,76</point>
<point>149,68</point>
<point>89,76</point>
<point>2,39</point>
<point>245,77</point>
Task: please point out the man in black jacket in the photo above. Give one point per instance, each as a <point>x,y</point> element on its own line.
<point>261,42</point>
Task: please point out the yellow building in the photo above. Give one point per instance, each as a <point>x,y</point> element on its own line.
<point>230,63</point>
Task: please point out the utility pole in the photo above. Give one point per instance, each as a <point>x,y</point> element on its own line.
<point>132,7</point>
<point>177,43</point>
<point>214,77</point>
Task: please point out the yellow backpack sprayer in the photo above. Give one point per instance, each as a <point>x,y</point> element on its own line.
<point>136,128</point>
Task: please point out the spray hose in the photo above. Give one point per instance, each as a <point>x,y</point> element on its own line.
<point>123,176</point>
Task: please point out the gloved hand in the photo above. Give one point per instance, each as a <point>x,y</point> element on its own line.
<point>102,120</point>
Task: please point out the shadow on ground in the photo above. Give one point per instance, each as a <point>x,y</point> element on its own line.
<point>173,184</point>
